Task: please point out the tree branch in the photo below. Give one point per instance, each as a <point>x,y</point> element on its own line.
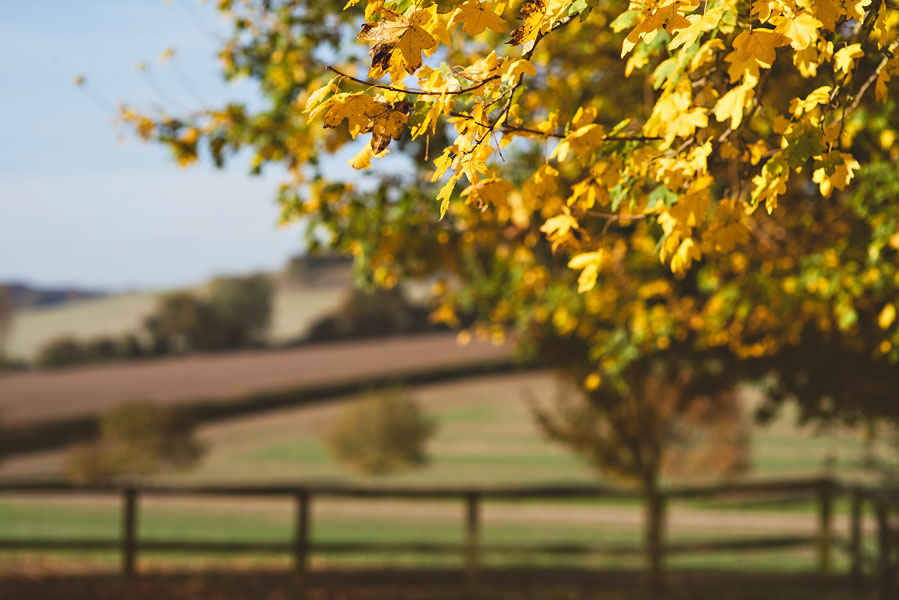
<point>415,92</point>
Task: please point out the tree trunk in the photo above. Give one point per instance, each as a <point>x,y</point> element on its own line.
<point>654,532</point>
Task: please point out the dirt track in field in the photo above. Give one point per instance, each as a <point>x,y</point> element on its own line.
<point>32,397</point>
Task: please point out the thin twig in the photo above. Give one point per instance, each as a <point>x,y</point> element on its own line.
<point>864,88</point>
<point>415,92</point>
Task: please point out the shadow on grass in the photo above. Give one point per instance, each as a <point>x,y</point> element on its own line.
<point>420,584</point>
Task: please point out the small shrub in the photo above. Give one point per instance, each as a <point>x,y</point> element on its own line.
<point>381,433</point>
<point>136,439</point>
<point>375,313</point>
<point>60,352</point>
<point>243,305</point>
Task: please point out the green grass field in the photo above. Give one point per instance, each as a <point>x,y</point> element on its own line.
<point>486,436</point>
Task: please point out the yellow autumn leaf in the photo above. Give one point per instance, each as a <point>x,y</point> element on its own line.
<point>395,32</point>
<point>801,30</point>
<point>590,263</point>
<point>856,9</point>
<point>545,181</point>
<point>815,98</point>
<point>843,172</point>
<point>731,105</point>
<point>768,188</point>
<point>513,69</point>
<point>559,227</point>
<point>487,192</point>
<point>845,57</point>
<point>318,96</point>
<point>684,256</point>
<point>532,13</point>
<point>753,49</point>
<point>445,192</point>
<point>699,24</point>
<point>357,109</point>
<point>828,12</point>
<point>476,16</point>
<point>363,114</point>
<point>362,159</point>
<point>887,316</point>
<point>706,54</point>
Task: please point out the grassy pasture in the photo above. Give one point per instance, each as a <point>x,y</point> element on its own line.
<point>486,436</point>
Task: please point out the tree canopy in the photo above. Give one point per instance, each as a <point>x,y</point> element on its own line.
<point>720,174</point>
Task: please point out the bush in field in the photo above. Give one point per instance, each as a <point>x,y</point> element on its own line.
<point>60,352</point>
<point>183,323</point>
<point>67,351</point>
<point>381,433</point>
<point>371,313</point>
<point>137,439</point>
<point>243,305</point>
<point>235,313</point>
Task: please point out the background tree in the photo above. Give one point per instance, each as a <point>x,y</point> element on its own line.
<point>635,176</point>
<point>60,352</point>
<point>370,313</point>
<point>137,439</point>
<point>244,305</point>
<point>6,311</point>
<point>381,433</point>
<point>234,312</point>
<point>184,323</point>
<point>677,416</point>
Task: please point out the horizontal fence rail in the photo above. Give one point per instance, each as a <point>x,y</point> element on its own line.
<point>823,492</point>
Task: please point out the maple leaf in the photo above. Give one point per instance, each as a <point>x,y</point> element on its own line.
<point>559,227</point>
<point>753,49</point>
<point>834,171</point>
<point>362,160</point>
<point>488,192</point>
<point>828,12</point>
<point>699,24</point>
<point>532,13</point>
<point>475,17</point>
<point>731,105</point>
<point>590,263</point>
<point>801,30</point>
<point>845,57</point>
<point>684,256</point>
<point>395,32</point>
<point>363,114</point>
<point>389,124</point>
<point>856,9</point>
<point>357,109</point>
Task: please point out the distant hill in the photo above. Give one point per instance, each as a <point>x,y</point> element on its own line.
<point>26,296</point>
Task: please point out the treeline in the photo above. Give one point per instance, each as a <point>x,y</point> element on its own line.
<point>233,312</point>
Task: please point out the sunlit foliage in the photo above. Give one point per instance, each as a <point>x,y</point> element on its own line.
<point>716,173</point>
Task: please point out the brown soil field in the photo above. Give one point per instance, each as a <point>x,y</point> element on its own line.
<point>49,395</point>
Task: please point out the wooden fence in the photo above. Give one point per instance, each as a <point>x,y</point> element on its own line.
<point>822,491</point>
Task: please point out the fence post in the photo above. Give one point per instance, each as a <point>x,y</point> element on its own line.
<point>472,527</point>
<point>301,536</point>
<point>656,518</point>
<point>855,536</point>
<point>129,531</point>
<point>883,539</point>
<point>825,525</point>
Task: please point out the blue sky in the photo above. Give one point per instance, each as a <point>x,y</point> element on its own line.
<point>79,205</point>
